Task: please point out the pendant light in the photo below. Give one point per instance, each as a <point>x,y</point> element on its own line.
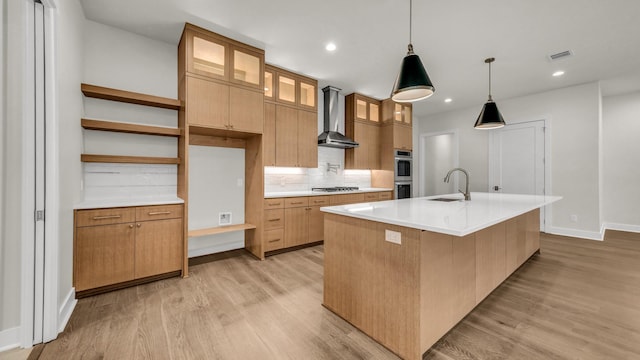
<point>412,83</point>
<point>490,117</point>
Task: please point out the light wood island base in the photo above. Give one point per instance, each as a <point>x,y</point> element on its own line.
<point>408,296</point>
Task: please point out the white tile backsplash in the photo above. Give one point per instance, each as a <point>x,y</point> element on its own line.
<point>281,179</point>
<point>106,181</point>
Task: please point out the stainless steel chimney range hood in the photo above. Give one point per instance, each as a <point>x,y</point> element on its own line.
<point>331,137</point>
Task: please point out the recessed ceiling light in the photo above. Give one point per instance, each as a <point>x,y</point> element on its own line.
<point>330,47</point>
<point>558,73</point>
<point>448,100</point>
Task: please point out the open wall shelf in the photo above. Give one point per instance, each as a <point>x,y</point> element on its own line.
<point>220,230</point>
<point>130,128</point>
<point>128,159</point>
<point>130,97</point>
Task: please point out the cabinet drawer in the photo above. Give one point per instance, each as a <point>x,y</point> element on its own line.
<point>105,216</point>
<point>347,199</point>
<point>273,239</point>
<point>371,197</point>
<point>146,213</point>
<point>387,195</point>
<point>319,201</point>
<point>274,203</point>
<point>296,202</point>
<point>273,219</point>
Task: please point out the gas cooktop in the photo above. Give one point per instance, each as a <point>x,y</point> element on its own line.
<point>335,188</point>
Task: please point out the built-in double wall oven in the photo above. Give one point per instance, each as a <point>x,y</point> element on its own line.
<point>402,174</point>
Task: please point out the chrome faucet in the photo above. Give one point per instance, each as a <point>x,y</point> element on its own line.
<point>467,194</point>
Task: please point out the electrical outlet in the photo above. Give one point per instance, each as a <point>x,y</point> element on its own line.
<point>282,180</point>
<point>574,218</point>
<point>224,218</point>
<point>240,182</point>
<point>393,236</point>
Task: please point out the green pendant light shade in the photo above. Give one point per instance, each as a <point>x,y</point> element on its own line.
<point>490,117</point>
<point>412,83</point>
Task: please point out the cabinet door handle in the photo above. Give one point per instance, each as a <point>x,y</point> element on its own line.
<point>160,213</point>
<point>130,226</point>
<point>296,203</point>
<point>103,217</point>
<point>139,225</point>
<point>274,240</point>
<point>278,219</point>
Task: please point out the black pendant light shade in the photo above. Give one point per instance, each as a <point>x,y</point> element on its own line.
<point>490,117</point>
<point>412,83</point>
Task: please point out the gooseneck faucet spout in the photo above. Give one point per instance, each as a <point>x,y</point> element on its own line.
<point>466,193</point>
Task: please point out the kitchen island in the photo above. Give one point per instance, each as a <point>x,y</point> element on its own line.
<point>406,271</point>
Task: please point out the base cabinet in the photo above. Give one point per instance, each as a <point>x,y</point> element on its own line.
<point>295,221</point>
<point>118,245</point>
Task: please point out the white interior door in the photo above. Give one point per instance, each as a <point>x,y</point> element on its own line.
<point>517,160</point>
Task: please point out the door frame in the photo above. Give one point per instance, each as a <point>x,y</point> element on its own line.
<point>48,283</point>
<point>492,163</point>
<point>422,158</point>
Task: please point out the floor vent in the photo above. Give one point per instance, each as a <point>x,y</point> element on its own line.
<point>560,55</point>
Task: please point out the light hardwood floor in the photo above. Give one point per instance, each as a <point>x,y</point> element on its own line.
<point>578,299</point>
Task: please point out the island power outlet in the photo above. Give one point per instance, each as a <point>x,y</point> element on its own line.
<point>393,236</point>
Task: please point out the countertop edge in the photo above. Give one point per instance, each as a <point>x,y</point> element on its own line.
<point>103,204</point>
<point>284,194</point>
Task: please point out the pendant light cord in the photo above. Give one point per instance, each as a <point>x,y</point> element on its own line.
<point>490,82</point>
<point>410,18</point>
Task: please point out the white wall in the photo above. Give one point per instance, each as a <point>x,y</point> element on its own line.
<point>574,115</point>
<point>216,184</point>
<point>621,126</point>
<point>69,62</point>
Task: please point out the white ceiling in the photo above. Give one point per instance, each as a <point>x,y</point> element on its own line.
<point>451,37</point>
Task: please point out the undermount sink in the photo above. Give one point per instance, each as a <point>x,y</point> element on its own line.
<point>445,199</point>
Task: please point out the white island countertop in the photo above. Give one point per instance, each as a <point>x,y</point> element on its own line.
<point>457,218</point>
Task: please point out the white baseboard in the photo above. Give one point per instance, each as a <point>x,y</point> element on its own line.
<point>590,235</point>
<point>64,314</point>
<point>622,227</point>
<point>217,248</point>
<point>9,339</point>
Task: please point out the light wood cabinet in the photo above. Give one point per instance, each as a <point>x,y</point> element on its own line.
<point>289,88</point>
<point>215,105</point>
<point>104,255</point>
<point>296,135</point>
<point>219,58</point>
<point>224,83</point>
<point>119,245</point>
<point>298,221</point>
<point>362,124</point>
<point>307,139</point>
<point>291,105</point>
<point>397,120</point>
<point>269,135</point>
<point>490,259</point>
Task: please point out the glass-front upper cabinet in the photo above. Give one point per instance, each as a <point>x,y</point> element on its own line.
<point>407,114</point>
<point>308,94</point>
<point>374,112</point>
<point>217,57</point>
<point>361,109</point>
<point>208,56</point>
<point>268,84</point>
<point>247,67</point>
<point>286,89</point>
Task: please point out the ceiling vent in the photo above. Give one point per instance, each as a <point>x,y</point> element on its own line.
<point>560,55</point>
